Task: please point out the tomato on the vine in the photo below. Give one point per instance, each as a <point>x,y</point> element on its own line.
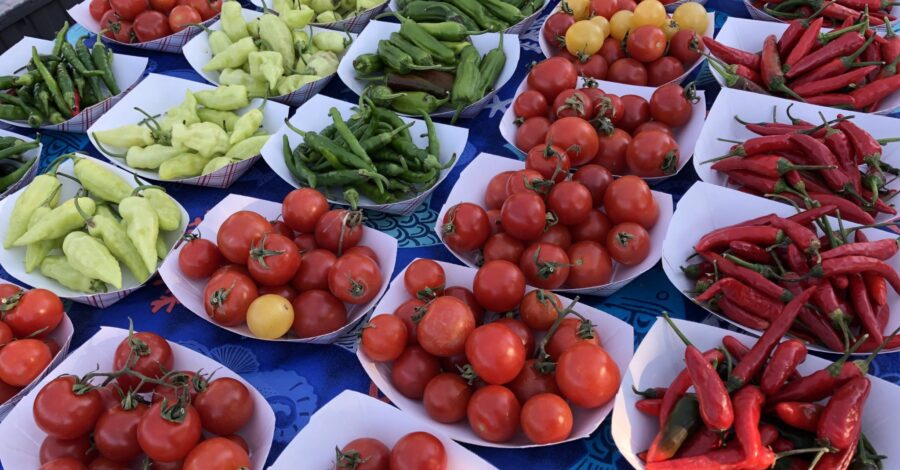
<point>628,199</point>
<point>225,406</point>
<point>577,136</point>
<point>406,311</point>
<point>544,265</point>
<point>573,103</point>
<point>418,450</point>
<point>524,180</point>
<point>539,309</point>
<point>339,229</point>
<point>465,227</point>
<point>551,76</point>
<point>154,359</point>
<point>495,352</point>
<point>61,412</point>
<point>551,161</point>
<point>364,453</point>
<point>37,313</point>
<point>116,28</point>
<point>274,260</point>
<point>165,439</point>
<point>383,338</point>
<point>532,381</point>
<point>150,25</point>
<point>524,215</point>
<point>115,434</point>
<point>686,46</point>
<point>672,105</point>
<point>317,312</point>
<point>532,132</point>
<point>313,271</point>
<point>571,331</point>
<point>628,243</point>
<point>613,148</point>
<point>424,279</point>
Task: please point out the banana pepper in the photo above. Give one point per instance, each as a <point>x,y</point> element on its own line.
<point>91,258</point>
<point>206,138</point>
<point>58,222</point>
<point>150,157</point>
<point>186,165</point>
<point>332,41</point>
<point>37,251</point>
<point>247,148</point>
<point>185,113</point>
<point>142,227</point>
<point>216,164</point>
<point>255,88</point>
<point>224,97</point>
<point>267,66</point>
<point>100,181</point>
<point>292,83</point>
<point>36,194</point>
<point>233,56</point>
<point>125,136</point>
<point>246,125</point>
<point>233,21</point>
<point>59,269</point>
<point>224,119</point>
<point>167,211</point>
<point>276,34</point>
<point>104,226</point>
<point>321,63</point>
<point>299,18</point>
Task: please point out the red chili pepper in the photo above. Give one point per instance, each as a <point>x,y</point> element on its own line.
<point>720,238</point>
<point>701,441</point>
<point>875,284</point>
<point>864,144</point>
<point>875,91</point>
<point>822,383</point>
<point>840,12</point>
<point>873,5</point>
<point>795,260</point>
<point>800,415</point>
<point>849,210</point>
<point>748,402</point>
<point>771,166</point>
<point>872,55</point>
<point>680,386</point>
<point>840,282</point>
<point>746,73</point>
<point>759,184</point>
<point>834,67</point>
<point>767,434</point>
<point>730,55</point>
<point>841,419</point>
<point>840,460</point>
<point>735,347</point>
<point>77,99</point>
<point>819,153</point>
<point>834,83</point>
<point>840,147</point>
<point>759,353</point>
<point>739,315</point>
<point>865,311</point>
<point>770,68</point>
<point>776,128</point>
<point>649,406</point>
<point>731,458</point>
<point>642,456</point>
<point>804,238</point>
<point>845,44</point>
<point>749,252</point>
<point>715,404</point>
<point>859,264</point>
<point>763,145</point>
<point>805,44</point>
<point>784,361</point>
<point>834,100</point>
<point>810,215</point>
<point>783,445</point>
<point>747,276</point>
<point>791,35</point>
<point>881,249</point>
<point>821,329</point>
<point>747,298</point>
<point>880,205</point>
<point>890,47</point>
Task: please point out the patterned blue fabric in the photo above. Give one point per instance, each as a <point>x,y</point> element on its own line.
<point>298,379</point>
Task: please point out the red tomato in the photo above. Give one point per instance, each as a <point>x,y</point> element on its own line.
<point>613,148</point>
<point>316,313</point>
<point>238,232</point>
<point>405,312</point>
<point>282,228</point>
<point>628,199</point>
<point>287,291</point>
<point>339,229</point>
<point>652,153</point>
<point>572,103</point>
<point>571,331</point>
<point>496,353</point>
<point>672,105</point>
<point>595,67</point>
<point>544,265</point>
<point>604,8</point>
<point>166,440</point>
<point>103,463</point>
<point>383,338</point>
<point>274,260</point>
<point>446,397</point>
<point>629,71</point>
<point>555,28</point>
<point>530,104</point>
<point>199,258</point>
<point>21,361</point>
<point>577,136</point>
<point>98,7</point>
<point>206,8</point>
<point>418,450</point>
<point>594,228</point>
<point>363,251</point>
<point>525,180</point>
<point>469,299</point>
<point>493,413</point>
<point>465,227</point>
<point>532,132</point>
<point>79,448</point>
<point>65,463</point>
<point>537,309</point>
<point>531,382</point>
<point>558,235</point>
<point>116,433</point>
<point>154,360</point>
<point>313,272</point>
<point>36,314</point>
<point>591,265</point>
<point>354,279</point>
<point>502,246</point>
<point>494,221</point>
<point>610,107</point>
<point>663,70</point>
<point>496,191</point>
<point>307,242</point>
<point>226,298</point>
<point>116,28</point>
<point>217,453</point>
<point>612,50</point>
<point>183,380</point>
<point>59,412</point>
<point>646,43</point>
<point>302,208</point>
<point>183,16</point>
<point>412,371</point>
<point>570,201</point>
<point>637,112</point>
<point>683,44</point>
<point>164,6</point>
<point>551,76</point>
<point>7,391</point>
<point>653,126</point>
<point>128,9</point>
<point>499,286</point>
<point>239,441</point>
<point>546,418</point>
<point>521,330</point>
<point>364,453</point>
<point>629,5</point>
<point>596,179</point>
<point>587,375</point>
<point>6,334</point>
<point>524,215</point>
<point>150,25</point>
<point>225,406</point>
<point>628,243</point>
<point>444,327</point>
<point>551,161</point>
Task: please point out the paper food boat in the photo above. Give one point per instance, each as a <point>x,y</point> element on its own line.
<point>172,43</point>
<point>190,291</point>
<point>13,259</point>
<point>761,15</point>
<point>127,70</point>
<point>22,437</point>
<point>156,94</point>
<point>686,135</point>
<point>354,24</point>
<point>749,35</point>
<point>313,116</point>
<point>660,357</point>
<point>198,53</point>
<point>33,154</point>
<point>519,28</point>
<point>472,183</point>
<point>367,43</point>
<point>352,415</point>
<point>706,207</point>
<point>753,107</point>
<point>616,337</point>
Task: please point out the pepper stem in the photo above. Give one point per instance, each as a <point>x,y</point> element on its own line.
<point>677,331</point>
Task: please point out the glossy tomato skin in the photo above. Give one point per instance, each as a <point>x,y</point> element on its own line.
<point>546,418</point>
<point>531,382</point>
<point>551,76</point>
<point>412,371</point>
<point>103,463</point>
<point>354,279</point>
<point>364,251</point>
<point>443,329</point>
<point>628,243</point>
<point>496,353</point>
<point>682,44</point>
<point>577,136</point>
<point>551,161</point>
<point>199,258</point>
<point>670,105</point>
<point>613,148</point>
<point>465,227</point>
<point>373,453</point>
<point>7,391</point>
<point>469,299</point>
<point>545,266</point>
<point>116,433</point>
<point>572,103</point>
<point>571,331</point>
<point>150,25</point>
<point>446,397</point>
<point>155,359</point>
<point>664,70</point>
<point>629,71</point>
<point>496,191</point>
<point>493,413</point>
<point>6,334</point>
<point>37,313</point>
<point>79,448</point>
<point>206,8</point>
<point>532,132</point>
<point>281,228</point>
<point>605,8</point>
<point>529,104</point>
<point>637,112</point>
<point>499,286</point>
<point>646,43</point>
<point>652,154</point>
<point>424,279</point>
<point>163,6</point>
<point>418,450</point>
<point>225,406</point>
<point>317,312</point>
<point>98,7</point>
<point>302,208</point>
<point>287,291</point>
<point>116,27</point>
<point>227,298</point>
<point>570,201</point>
<point>524,180</point>
<point>524,215</point>
<point>339,229</point>
<point>591,265</point>
<point>596,179</point>
<point>405,312</point>
<point>274,260</point>
<point>612,50</point>
<point>502,246</point>
<point>587,375</point>
<point>595,67</point>
<point>594,228</point>
<point>65,463</point>
<point>384,338</point>
<point>628,199</point>
<point>217,453</point>
<point>494,221</point>
<point>165,440</point>
<point>22,361</point>
<point>238,232</point>
<point>555,28</point>
<point>558,235</point>
<point>313,271</point>
<point>537,309</point>
<point>128,9</point>
<point>653,126</point>
<point>521,330</point>
<point>59,412</point>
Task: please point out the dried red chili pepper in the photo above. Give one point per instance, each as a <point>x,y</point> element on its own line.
<point>749,277</point>
<point>845,44</point>
<point>859,264</point>
<point>841,419</point>
<point>757,235</point>
<point>836,82</point>
<point>730,55</point>
<point>771,166</point>
<point>862,305</point>
<point>800,415</point>
<point>749,252</point>
<point>805,44</point>
<point>784,361</point>
<point>649,406</point>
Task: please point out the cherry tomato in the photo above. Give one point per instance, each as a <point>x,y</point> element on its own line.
<point>116,433</point>
<point>521,330</point>
<point>610,107</point>
<point>128,9</point>
<point>664,70</point>
<point>217,453</point>
<point>571,331</point>
<point>199,258</point>
<point>628,199</point>
<point>183,16</point>
<point>558,235</point>
<point>7,391</point>
<point>98,7</point>
<point>282,228</point>
<point>499,286</point>
<point>493,413</point>
<point>444,327</point>
<point>652,153</point>
<point>572,103</point>
<point>584,37</point>
<point>302,208</point>
<point>418,450</point>
<point>6,334</point>
<point>384,338</point>
<point>532,132</point>
<point>239,441</point>
<point>465,227</point>
<point>502,246</point>
<point>577,136</point>
<point>628,5</point>
<point>531,382</point>
<point>546,418</point>
<point>103,463</point>
<point>116,28</point>
<point>364,453</point>
<point>446,397</point>
<point>649,13</point>
<point>109,395</point>
<point>313,272</point>
<point>226,298</point>
<point>524,215</point>
<point>637,112</point>
<point>595,67</point>
<point>646,43</point>
<point>206,8</point>
<point>555,28</point>
<point>671,105</point>
<point>405,312</point>
<point>620,24</point>
<point>151,24</point>
<point>469,299</point>
<point>570,201</point>
<point>183,379</point>
<point>306,242</point>
<point>65,463</point>
<point>424,279</point>
<point>591,265</point>
<point>544,265</point>
<point>354,279</point>
<point>596,179</point>
<point>21,361</point>
<point>530,104</point>
<point>537,309</point>
<point>287,291</point>
<point>36,314</point>
<point>525,180</point>
<point>587,375</point>
<point>683,45</point>
<point>551,161</point>
<point>613,148</point>
<point>225,406</point>
<point>164,6</point>
<point>80,448</point>
<point>496,353</point>
<point>653,126</point>
<point>551,76</point>
<point>629,71</point>
<point>604,8</point>
<point>270,316</point>
<point>496,191</point>
<point>363,251</point>
<point>316,313</point>
<point>61,413</point>
<point>166,440</point>
<point>154,360</point>
<point>339,229</point>
<point>273,259</point>
<point>691,16</point>
<point>628,243</point>
<point>611,51</point>
<point>238,232</point>
<point>594,228</point>
<point>412,371</point>
<point>494,221</point>
<point>669,28</point>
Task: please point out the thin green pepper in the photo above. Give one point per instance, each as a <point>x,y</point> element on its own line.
<point>419,56</point>
<point>12,112</point>
<point>466,88</point>
<point>60,39</point>
<point>417,102</point>
<point>504,11</point>
<point>422,38</point>
<point>296,165</point>
<point>143,227</point>
<point>448,30</point>
<point>125,136</point>
<point>367,64</point>
<point>91,258</point>
<point>93,82</point>
<point>491,66</point>
<point>42,97</point>
<point>101,57</point>
<point>20,147</point>
<point>381,140</point>
<point>59,222</point>
<point>349,138</point>
<point>475,10</point>
<point>51,83</point>
<point>59,269</point>
<point>14,176</point>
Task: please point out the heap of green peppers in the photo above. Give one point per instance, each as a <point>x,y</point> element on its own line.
<point>487,15</point>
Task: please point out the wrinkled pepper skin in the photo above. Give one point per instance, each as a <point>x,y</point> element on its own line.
<point>224,119</point>
<point>216,164</point>
<point>185,113</point>
<point>246,125</point>
<point>247,148</point>
<point>59,222</point>
<point>277,35</point>
<point>142,228</point>
<point>185,165</point>
<point>37,251</point>
<point>91,258</point>
<point>255,88</point>
<point>125,136</point>
<point>34,196</point>
<point>224,98</point>
<point>233,57</point>
<point>150,157</point>
<point>167,210</point>
<point>266,66</point>
<point>100,181</point>
<point>233,23</point>
<point>58,268</point>
<point>206,138</point>
<point>108,229</point>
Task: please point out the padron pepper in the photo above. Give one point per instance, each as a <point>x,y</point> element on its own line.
<point>467,86</point>
<point>185,113</point>
<point>224,97</point>
<point>100,181</point>
<point>185,165</point>
<point>125,136</point>
<point>255,88</point>
<point>59,222</point>
<point>167,210</point>
<point>247,148</point>
<point>246,125</point>
<point>491,66</point>
<point>35,195</point>
<point>232,20</point>
<point>37,251</point>
<point>417,102</point>
<point>104,226</point>
<point>206,138</point>
<point>91,258</point>
<point>142,227</point>
<point>277,36</point>
<point>415,34</point>
<point>224,119</point>
<point>150,157</point>
<point>58,268</point>
<point>266,66</point>
<point>232,57</point>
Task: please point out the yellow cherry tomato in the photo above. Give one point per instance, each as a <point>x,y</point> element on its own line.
<point>650,12</point>
<point>603,23</point>
<point>670,29</point>
<point>584,37</point>
<point>620,24</point>
<point>692,16</point>
<point>270,316</point>
<point>581,9</point>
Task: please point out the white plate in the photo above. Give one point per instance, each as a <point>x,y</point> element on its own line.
<point>686,135</point>
<point>190,291</point>
<point>352,415</point>
<point>156,94</point>
<point>127,70</point>
<point>660,357</point>
<point>519,28</point>
<point>313,116</point>
<point>706,207</point>
<point>367,43</point>
<point>616,336</point>
<point>198,53</point>
<point>22,438</point>
<point>29,175</point>
<point>13,259</point>
<point>354,24</point>
<point>472,183</point>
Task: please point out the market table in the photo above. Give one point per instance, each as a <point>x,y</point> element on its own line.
<point>297,379</point>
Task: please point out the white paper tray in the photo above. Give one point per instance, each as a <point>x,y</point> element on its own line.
<point>353,24</point>
<point>519,28</point>
<point>29,175</point>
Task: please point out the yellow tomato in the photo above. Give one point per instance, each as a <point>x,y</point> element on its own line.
<point>670,29</point>
<point>584,37</point>
<point>270,316</point>
<point>650,12</point>
<point>692,16</point>
<point>620,24</point>
<point>603,23</point>
<point>581,9</point>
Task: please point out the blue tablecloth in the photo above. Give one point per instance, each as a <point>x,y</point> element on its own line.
<point>297,379</point>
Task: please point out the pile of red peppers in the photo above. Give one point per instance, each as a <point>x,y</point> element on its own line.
<point>750,408</point>
<point>834,12</point>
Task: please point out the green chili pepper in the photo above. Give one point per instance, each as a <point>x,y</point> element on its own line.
<point>349,138</point>
<point>59,222</point>
<point>367,64</point>
<point>247,148</point>
<point>42,97</point>
<point>276,34</point>
<point>447,30</point>
<point>434,144</point>
<point>35,195</point>
<point>7,81</point>
<point>93,81</point>
<point>101,57</point>
<point>374,193</point>
<point>12,112</point>
<point>91,258</point>
<point>417,102</point>
<point>143,227</point>
<point>14,176</point>
<point>51,82</point>
<point>224,119</point>
<point>168,212</point>
<point>224,98</point>
<point>246,125</point>
<point>185,113</point>
<point>504,11</point>
<point>104,226</point>
<point>100,181</point>
<point>381,140</point>
<point>232,20</point>
<point>475,10</point>
<point>185,165</point>
<point>328,147</point>
<point>205,138</point>
<point>37,251</point>
<point>422,11</point>
<point>381,95</point>
<point>129,135</point>
<point>60,38</point>
<point>59,269</point>
<point>410,30</point>
<point>234,56</point>
<point>296,165</point>
<point>34,116</point>
<point>466,87</point>
<point>397,60</point>
<point>491,66</point>
<point>681,421</point>
<point>420,56</point>
<point>20,147</point>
